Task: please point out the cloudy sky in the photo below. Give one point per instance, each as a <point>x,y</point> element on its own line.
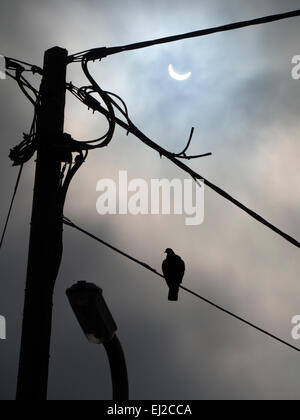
<point>244,106</point>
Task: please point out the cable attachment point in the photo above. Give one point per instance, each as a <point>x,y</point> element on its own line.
<point>24,151</point>
<point>36,70</point>
<point>63,150</point>
<point>96,54</point>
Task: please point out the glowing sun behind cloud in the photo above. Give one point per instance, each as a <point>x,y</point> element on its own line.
<point>177,76</point>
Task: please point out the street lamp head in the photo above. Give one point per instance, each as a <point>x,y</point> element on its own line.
<point>92,313</point>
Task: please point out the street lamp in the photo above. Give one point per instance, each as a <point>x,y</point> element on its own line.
<point>99,327</point>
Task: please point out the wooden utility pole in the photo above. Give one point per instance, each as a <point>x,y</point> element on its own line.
<point>45,247</point>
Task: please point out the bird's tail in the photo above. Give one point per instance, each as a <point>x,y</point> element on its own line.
<point>173,294</point>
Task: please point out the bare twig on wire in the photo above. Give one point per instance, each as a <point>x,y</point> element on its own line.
<point>183,155</point>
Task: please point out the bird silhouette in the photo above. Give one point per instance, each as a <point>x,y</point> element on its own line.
<point>173,268</point>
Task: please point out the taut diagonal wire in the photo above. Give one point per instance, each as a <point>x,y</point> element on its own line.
<point>68,222</point>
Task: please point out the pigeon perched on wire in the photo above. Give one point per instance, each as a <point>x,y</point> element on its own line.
<point>173,269</point>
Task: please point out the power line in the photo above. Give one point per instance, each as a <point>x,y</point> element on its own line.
<point>68,222</point>
<point>129,127</point>
<point>209,184</point>
<point>12,61</point>
<point>98,53</point>
<point>19,155</point>
<point>11,205</point>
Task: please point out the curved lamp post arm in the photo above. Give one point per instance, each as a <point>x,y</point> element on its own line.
<point>118,369</point>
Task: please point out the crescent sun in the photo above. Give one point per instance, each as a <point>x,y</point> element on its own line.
<point>177,76</point>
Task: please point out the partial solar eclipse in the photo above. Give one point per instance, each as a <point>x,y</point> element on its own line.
<point>177,76</point>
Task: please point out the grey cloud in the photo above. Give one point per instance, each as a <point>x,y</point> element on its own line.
<point>243,103</point>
